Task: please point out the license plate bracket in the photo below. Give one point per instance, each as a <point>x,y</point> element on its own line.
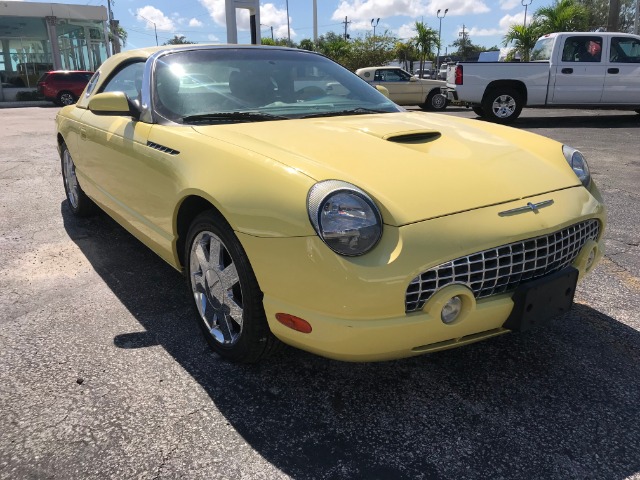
<point>538,301</point>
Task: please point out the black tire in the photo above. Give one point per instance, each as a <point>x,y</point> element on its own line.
<point>435,101</point>
<point>477,109</point>
<point>78,202</point>
<point>225,293</point>
<point>65,98</point>
<point>502,105</point>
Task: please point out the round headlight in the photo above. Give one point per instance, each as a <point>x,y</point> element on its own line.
<point>578,164</point>
<point>345,217</point>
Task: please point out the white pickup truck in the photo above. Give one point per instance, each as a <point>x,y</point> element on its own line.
<point>568,70</point>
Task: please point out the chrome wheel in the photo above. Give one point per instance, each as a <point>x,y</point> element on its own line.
<point>70,179</point>
<point>438,101</point>
<point>66,98</point>
<point>504,106</point>
<point>216,288</point>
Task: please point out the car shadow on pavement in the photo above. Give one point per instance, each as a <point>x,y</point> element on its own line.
<point>559,402</point>
<point>603,119</point>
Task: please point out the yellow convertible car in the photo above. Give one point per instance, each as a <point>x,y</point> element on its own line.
<point>305,207</point>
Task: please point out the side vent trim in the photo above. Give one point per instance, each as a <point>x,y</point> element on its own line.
<point>418,137</point>
<point>162,148</point>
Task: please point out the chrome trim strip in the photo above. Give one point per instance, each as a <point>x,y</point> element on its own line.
<point>529,207</point>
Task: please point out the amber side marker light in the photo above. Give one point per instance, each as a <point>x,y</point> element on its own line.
<point>294,322</point>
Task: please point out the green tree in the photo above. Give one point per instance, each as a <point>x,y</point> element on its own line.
<point>407,53</point>
<point>598,13</point>
<point>307,44</point>
<point>562,16</point>
<point>368,51</point>
<point>524,39</point>
<point>280,42</point>
<point>178,40</point>
<point>426,39</point>
<point>334,46</point>
<point>465,48</point>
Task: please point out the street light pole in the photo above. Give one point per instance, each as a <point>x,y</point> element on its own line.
<point>374,25</point>
<point>288,27</point>
<point>271,27</point>
<point>525,4</point>
<point>154,26</point>
<point>439,32</point>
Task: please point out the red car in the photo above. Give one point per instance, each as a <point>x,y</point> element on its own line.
<point>63,87</point>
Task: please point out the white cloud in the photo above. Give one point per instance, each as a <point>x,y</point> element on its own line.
<point>508,20</point>
<point>484,32</point>
<point>194,22</point>
<point>509,4</point>
<point>407,31</point>
<point>269,15</point>
<point>151,15</point>
<point>212,38</point>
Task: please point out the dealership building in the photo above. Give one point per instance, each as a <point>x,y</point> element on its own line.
<point>37,37</point>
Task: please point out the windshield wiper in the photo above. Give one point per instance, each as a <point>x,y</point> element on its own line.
<point>353,111</point>
<point>233,117</point>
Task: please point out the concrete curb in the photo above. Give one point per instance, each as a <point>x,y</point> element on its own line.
<point>36,103</point>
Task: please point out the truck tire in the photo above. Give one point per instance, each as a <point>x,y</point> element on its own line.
<point>435,101</point>
<point>477,109</point>
<point>502,105</point>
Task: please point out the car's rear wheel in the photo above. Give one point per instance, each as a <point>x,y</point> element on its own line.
<point>435,101</point>
<point>225,292</point>
<point>79,204</point>
<point>66,98</point>
<point>502,105</point>
<point>478,110</point>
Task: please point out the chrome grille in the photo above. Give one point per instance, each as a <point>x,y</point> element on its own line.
<point>503,268</point>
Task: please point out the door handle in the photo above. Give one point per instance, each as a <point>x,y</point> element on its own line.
<point>83,133</point>
<point>567,70</point>
<point>613,70</point>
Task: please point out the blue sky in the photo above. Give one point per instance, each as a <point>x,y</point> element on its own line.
<point>203,20</point>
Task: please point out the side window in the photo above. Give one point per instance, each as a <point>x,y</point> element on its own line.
<point>624,50</point>
<point>582,49</point>
<point>127,80</point>
<point>379,77</point>
<point>389,75</point>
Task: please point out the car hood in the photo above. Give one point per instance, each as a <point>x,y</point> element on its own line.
<point>415,165</point>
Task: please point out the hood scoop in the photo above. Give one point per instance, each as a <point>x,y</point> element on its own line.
<point>413,138</point>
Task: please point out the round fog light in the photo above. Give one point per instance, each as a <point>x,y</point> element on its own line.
<point>451,310</point>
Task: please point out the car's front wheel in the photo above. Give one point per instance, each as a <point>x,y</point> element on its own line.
<point>225,292</point>
<point>65,98</point>
<point>502,105</point>
<point>79,204</point>
<point>435,101</point>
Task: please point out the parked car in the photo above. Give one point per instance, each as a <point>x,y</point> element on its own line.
<point>341,225</point>
<point>567,70</point>
<point>63,87</point>
<point>405,89</point>
<point>425,73</point>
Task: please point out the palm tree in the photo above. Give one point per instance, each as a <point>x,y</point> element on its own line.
<point>406,53</point>
<point>562,16</point>
<point>524,39</point>
<point>425,40</point>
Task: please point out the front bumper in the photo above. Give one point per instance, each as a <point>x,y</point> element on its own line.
<point>356,306</point>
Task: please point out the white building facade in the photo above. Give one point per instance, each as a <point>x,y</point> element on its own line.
<point>38,37</point>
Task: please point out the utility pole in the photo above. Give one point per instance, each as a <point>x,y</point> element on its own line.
<point>288,27</point>
<point>463,42</point>
<point>614,15</point>
<point>346,24</point>
<point>636,23</point>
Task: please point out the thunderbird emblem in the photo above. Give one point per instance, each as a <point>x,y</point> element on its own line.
<point>529,207</point>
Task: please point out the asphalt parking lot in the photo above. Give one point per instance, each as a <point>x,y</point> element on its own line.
<point>104,374</point>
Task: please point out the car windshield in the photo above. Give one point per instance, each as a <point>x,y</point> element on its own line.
<point>224,85</point>
<point>542,50</point>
